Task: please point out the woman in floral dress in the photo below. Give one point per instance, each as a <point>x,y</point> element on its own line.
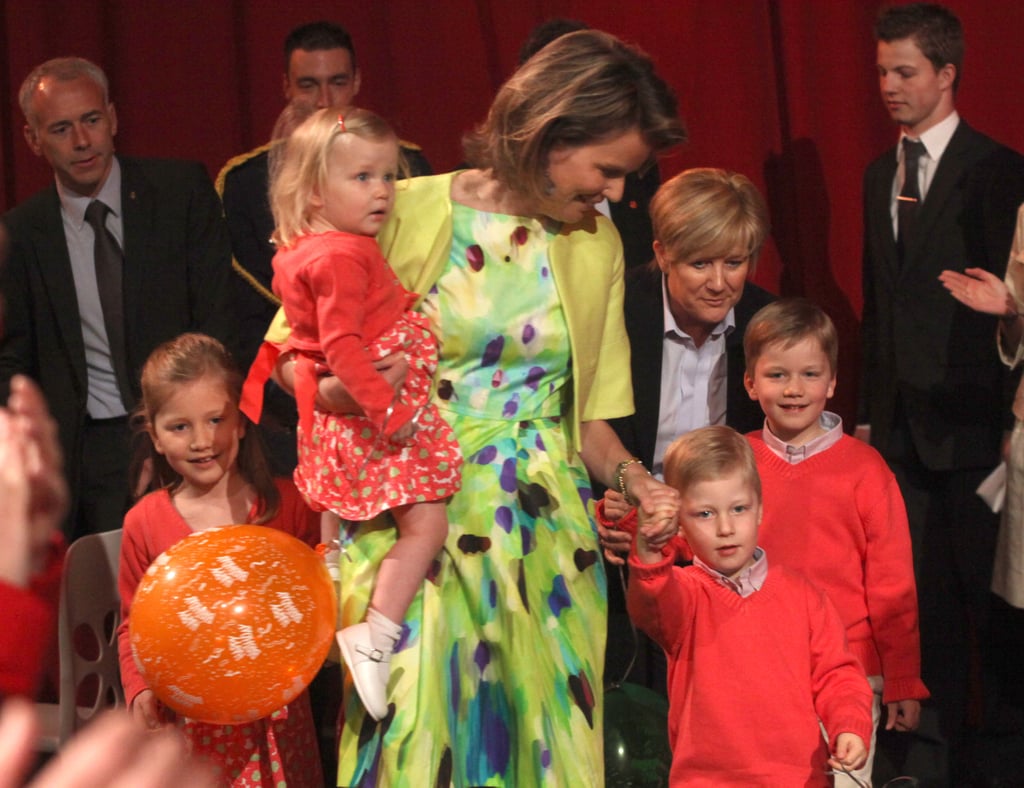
<point>497,679</point>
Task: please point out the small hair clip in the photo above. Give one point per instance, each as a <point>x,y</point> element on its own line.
<point>341,122</point>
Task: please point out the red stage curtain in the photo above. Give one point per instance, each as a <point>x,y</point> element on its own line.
<point>781,90</point>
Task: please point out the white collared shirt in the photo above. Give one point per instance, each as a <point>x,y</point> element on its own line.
<point>832,423</point>
<point>104,398</point>
<point>693,381</point>
<point>746,582</point>
<point>935,141</point>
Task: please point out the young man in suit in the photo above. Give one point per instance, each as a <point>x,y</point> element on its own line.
<point>86,306</point>
<point>933,390</point>
<point>320,71</point>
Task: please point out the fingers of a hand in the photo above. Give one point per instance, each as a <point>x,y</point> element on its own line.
<point>18,731</point>
<point>115,753</point>
<point>614,558</point>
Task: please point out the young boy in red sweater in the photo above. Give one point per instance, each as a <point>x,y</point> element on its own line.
<point>756,655</point>
<point>833,510</point>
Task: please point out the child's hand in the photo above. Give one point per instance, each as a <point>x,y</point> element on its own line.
<point>659,519</point>
<point>147,711</point>
<point>850,752</point>
<point>616,542</point>
<point>615,506</point>
<point>902,715</point>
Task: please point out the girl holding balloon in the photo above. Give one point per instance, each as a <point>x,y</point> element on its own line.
<point>211,471</point>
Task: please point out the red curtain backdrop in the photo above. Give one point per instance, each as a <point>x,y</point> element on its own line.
<point>781,90</point>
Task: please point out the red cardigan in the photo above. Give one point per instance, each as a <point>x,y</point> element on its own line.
<point>339,295</point>
<point>29,625</point>
<point>152,526</point>
<point>838,518</point>
<point>748,678</point>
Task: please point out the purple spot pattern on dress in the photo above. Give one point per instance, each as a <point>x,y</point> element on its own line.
<point>533,377</point>
<point>508,475</point>
<point>529,332</point>
<point>558,599</point>
<point>482,656</point>
<point>475,257</point>
<point>503,518</point>
<point>486,455</point>
<point>527,535</point>
<point>491,739</point>
<point>493,352</point>
<point>511,407</point>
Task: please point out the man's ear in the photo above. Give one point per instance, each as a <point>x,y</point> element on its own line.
<point>32,138</point>
<point>357,81</point>
<point>112,113</point>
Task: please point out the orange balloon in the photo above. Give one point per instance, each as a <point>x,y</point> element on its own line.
<point>232,623</point>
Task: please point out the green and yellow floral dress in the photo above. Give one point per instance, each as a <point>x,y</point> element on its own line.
<point>497,679</point>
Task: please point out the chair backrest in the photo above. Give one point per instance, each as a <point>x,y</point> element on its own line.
<point>90,610</point>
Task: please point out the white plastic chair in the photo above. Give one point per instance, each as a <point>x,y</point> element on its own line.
<point>90,610</point>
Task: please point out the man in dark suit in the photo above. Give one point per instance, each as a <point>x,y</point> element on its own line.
<point>320,71</point>
<point>80,331</point>
<point>934,393</point>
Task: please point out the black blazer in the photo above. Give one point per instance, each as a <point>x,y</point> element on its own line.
<point>920,344</point>
<point>645,326</point>
<point>177,261</point>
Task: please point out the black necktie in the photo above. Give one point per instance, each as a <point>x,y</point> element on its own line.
<point>109,263</point>
<point>909,198</point>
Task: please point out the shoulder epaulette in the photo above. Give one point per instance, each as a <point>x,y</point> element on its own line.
<point>232,163</point>
<point>238,161</point>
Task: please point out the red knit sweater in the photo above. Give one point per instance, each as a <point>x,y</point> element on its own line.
<point>748,678</point>
<point>838,518</point>
<point>339,295</point>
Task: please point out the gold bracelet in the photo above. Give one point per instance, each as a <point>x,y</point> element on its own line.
<point>620,478</point>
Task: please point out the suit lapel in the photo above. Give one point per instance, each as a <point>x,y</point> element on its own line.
<point>950,170</point>
<point>880,205</point>
<point>54,266</point>
<point>139,209</point>
<point>648,385</point>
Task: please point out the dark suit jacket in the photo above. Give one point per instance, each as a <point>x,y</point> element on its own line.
<point>645,326</point>
<point>920,344</point>
<point>242,184</point>
<point>177,262</point>
<point>632,218</point>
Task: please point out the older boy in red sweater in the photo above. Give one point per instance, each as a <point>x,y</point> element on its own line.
<point>833,510</point>
<point>756,655</point>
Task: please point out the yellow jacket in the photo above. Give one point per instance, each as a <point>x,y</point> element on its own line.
<point>586,260</point>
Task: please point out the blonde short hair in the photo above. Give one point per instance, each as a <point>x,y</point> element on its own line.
<point>709,213</point>
<point>581,89</point>
<point>786,322</point>
<point>302,170</point>
<point>707,454</point>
